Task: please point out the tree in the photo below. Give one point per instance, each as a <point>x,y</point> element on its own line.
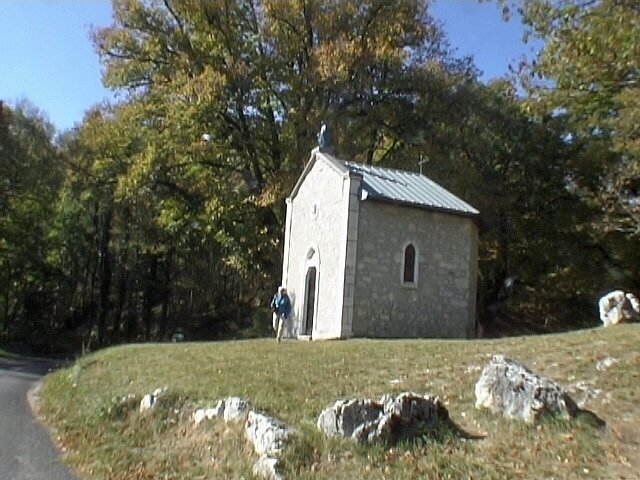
<point>591,62</point>
<point>482,145</point>
<point>32,171</point>
<point>258,77</point>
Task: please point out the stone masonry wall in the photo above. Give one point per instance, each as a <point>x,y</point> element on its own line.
<point>443,303</point>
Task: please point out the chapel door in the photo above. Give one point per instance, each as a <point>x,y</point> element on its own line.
<point>310,300</point>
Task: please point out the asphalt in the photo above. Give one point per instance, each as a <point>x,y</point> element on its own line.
<point>26,449</point>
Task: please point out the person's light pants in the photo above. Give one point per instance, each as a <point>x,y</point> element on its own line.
<point>278,324</point>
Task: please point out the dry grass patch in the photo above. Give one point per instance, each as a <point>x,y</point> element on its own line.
<point>295,381</point>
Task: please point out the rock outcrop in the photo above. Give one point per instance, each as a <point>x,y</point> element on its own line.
<point>268,435</point>
<point>236,409</point>
<point>508,388</point>
<point>150,400</point>
<point>208,413</point>
<point>268,467</point>
<point>270,438</point>
<point>231,409</point>
<point>386,421</point>
<point>605,363</point>
<point>618,307</point>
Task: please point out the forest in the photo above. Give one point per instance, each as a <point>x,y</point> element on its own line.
<point>130,227</point>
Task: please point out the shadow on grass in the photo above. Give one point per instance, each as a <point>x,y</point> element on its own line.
<point>311,450</point>
<point>446,431</point>
<point>590,419</point>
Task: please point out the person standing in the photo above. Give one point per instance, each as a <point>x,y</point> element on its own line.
<point>281,307</point>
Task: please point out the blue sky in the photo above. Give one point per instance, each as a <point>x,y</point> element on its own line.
<point>47,56</point>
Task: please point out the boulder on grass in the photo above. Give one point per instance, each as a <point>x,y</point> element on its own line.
<point>618,307</point>
<point>208,413</point>
<point>386,421</point>
<point>150,400</point>
<point>344,417</point>
<point>268,467</point>
<point>508,388</point>
<point>268,435</point>
<point>236,409</point>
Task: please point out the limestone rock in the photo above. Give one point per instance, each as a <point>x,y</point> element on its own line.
<point>605,363</point>
<point>345,416</point>
<point>618,307</point>
<point>150,400</point>
<point>209,413</point>
<point>509,388</point>
<point>235,409</point>
<point>268,435</point>
<point>386,421</point>
<point>231,409</point>
<point>147,402</point>
<point>199,416</point>
<point>268,467</point>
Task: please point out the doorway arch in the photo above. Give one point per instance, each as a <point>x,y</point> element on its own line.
<point>309,300</point>
<point>310,289</point>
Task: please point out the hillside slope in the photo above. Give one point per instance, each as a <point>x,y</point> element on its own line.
<point>106,438</point>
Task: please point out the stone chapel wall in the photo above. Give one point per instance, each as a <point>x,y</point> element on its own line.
<point>442,305</point>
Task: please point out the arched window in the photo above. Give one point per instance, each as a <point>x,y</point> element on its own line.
<point>409,268</point>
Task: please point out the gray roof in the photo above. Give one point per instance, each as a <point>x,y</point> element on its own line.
<point>408,188</point>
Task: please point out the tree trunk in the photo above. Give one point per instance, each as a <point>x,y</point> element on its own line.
<point>123,280</point>
<point>166,295</point>
<point>149,294</point>
<point>104,305</point>
<point>92,267</point>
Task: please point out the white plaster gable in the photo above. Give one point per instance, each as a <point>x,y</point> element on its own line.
<point>317,156</point>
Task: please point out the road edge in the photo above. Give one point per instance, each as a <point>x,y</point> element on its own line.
<point>33,397</point>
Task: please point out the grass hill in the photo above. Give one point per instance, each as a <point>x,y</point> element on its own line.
<point>106,438</point>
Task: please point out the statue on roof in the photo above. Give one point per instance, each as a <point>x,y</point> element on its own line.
<point>324,139</point>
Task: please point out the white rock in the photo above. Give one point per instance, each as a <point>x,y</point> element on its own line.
<point>386,421</point>
<point>147,402</point>
<point>605,363</point>
<point>235,409</point>
<point>150,400</point>
<point>209,413</point>
<point>509,388</point>
<point>345,416</point>
<point>217,411</point>
<point>268,435</point>
<point>159,391</point>
<point>199,415</point>
<point>618,307</point>
<point>267,467</point>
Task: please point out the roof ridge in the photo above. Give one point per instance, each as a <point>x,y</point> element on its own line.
<point>409,172</point>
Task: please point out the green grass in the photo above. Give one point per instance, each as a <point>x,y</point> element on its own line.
<point>295,381</point>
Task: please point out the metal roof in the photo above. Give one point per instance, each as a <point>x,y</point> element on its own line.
<point>408,188</point>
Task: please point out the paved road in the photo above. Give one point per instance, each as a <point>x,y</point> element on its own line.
<point>26,451</point>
